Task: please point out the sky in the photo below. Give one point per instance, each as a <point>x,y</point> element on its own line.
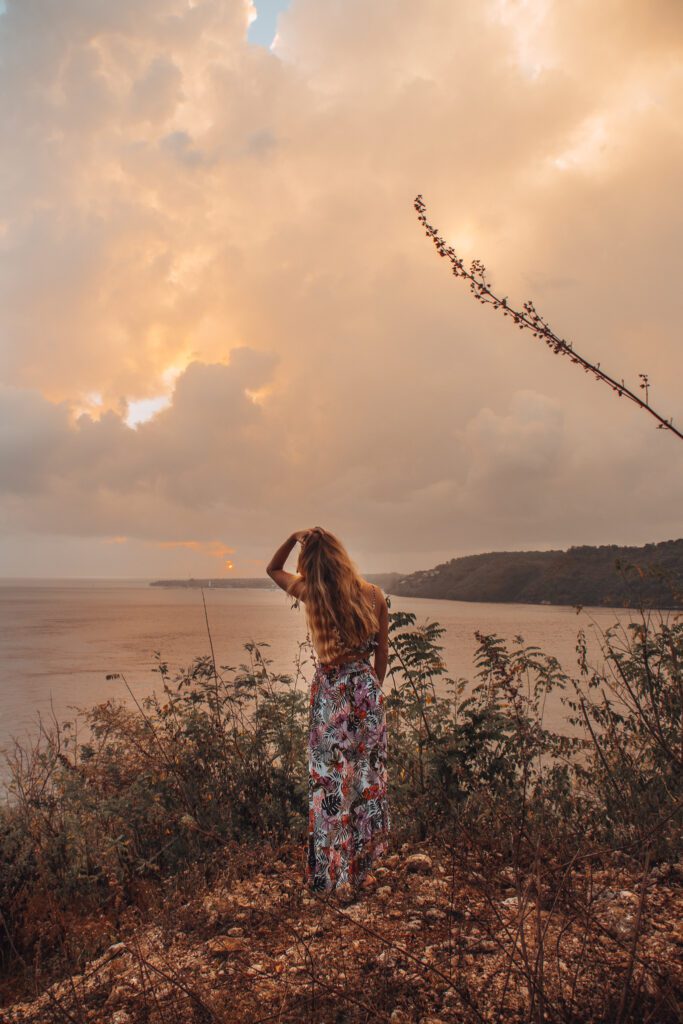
<point>220,321</point>
<point>263,28</point>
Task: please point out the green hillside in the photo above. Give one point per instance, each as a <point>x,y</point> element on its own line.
<point>605,575</point>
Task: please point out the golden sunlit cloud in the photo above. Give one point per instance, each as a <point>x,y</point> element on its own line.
<point>587,148</point>
<point>170,374</point>
<point>145,408</point>
<point>219,316</point>
<point>522,19</point>
<point>90,404</point>
<point>258,395</point>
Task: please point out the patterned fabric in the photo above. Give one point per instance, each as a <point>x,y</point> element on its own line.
<point>349,818</point>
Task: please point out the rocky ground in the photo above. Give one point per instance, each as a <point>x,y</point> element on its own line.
<point>433,940</point>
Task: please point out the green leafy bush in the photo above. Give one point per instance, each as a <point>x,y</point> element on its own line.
<point>219,759</point>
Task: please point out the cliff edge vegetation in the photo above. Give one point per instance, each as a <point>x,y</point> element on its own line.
<point>151,856</point>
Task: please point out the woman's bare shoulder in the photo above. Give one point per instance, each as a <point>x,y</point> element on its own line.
<point>371,589</point>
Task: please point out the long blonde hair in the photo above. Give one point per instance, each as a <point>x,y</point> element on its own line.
<point>339,615</point>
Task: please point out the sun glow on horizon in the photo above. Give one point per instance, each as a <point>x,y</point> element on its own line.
<point>212,548</point>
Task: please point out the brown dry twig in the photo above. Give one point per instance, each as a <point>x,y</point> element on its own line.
<point>533,321</point>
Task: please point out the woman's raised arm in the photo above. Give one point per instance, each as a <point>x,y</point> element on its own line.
<point>275,566</point>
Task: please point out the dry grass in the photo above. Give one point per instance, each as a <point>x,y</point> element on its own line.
<point>452,940</point>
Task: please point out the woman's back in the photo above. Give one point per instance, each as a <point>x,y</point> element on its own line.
<point>373,638</point>
<point>328,644</point>
<point>349,820</point>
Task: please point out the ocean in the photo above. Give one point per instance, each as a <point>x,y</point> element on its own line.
<point>59,640</point>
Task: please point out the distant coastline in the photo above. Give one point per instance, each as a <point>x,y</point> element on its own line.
<point>384,580</point>
<point>585,575</point>
<point>607,575</point>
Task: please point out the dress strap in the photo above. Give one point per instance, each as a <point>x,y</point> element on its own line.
<point>374,597</point>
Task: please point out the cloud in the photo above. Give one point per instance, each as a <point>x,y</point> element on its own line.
<point>210,445</point>
<point>156,94</point>
<point>524,444</point>
<point>178,204</point>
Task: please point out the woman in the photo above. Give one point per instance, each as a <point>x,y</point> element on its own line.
<point>349,821</point>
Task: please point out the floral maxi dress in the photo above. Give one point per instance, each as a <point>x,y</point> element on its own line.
<point>349,819</point>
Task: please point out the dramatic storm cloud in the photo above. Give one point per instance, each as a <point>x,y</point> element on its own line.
<point>220,320</point>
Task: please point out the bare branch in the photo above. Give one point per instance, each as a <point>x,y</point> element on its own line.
<point>533,321</point>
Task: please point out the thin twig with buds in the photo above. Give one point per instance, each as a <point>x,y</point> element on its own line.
<point>533,321</point>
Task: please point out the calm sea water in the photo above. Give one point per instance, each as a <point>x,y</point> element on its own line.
<point>59,639</point>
